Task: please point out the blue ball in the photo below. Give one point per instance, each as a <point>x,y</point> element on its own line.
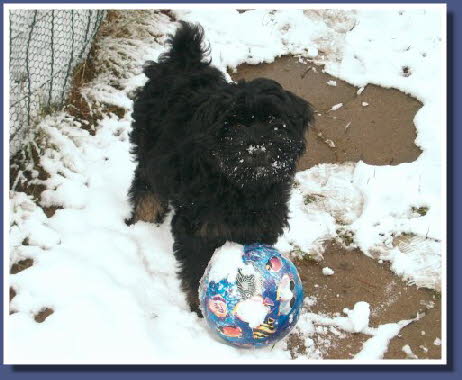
<point>250,295</point>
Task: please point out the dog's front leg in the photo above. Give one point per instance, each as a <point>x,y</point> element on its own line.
<point>147,205</point>
<point>193,253</point>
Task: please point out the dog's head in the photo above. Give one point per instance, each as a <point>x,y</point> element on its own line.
<point>258,130</point>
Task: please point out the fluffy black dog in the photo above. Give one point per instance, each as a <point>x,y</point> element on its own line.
<point>222,154</point>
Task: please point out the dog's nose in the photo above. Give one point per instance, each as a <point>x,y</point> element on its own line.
<point>262,158</point>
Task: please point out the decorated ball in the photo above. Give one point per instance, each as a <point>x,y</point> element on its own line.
<point>250,295</point>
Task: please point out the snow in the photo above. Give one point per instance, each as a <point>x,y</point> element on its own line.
<point>337,106</point>
<point>377,346</point>
<point>310,301</point>
<point>252,311</point>
<point>114,290</point>
<point>256,148</point>
<point>226,261</point>
<point>356,320</point>
<point>408,351</point>
<point>359,316</point>
<point>312,51</point>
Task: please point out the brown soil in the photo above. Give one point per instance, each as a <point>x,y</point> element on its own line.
<point>357,278</point>
<point>76,105</point>
<point>379,133</point>
<point>19,166</point>
<point>43,314</point>
<point>12,295</point>
<point>21,265</point>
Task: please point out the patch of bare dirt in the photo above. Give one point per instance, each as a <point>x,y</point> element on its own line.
<point>21,265</point>
<point>22,178</point>
<point>43,314</point>
<point>12,295</point>
<point>358,277</point>
<point>375,126</point>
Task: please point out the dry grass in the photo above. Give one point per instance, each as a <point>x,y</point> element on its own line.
<point>43,314</point>
<point>21,265</point>
<point>84,73</point>
<point>26,173</point>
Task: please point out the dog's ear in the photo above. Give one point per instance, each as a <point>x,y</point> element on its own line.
<point>301,111</point>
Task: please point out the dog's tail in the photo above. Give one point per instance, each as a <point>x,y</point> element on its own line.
<point>187,47</point>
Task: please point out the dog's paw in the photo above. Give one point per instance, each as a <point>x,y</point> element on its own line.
<point>198,311</point>
<point>193,301</point>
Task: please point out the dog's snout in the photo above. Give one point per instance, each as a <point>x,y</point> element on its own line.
<point>257,154</point>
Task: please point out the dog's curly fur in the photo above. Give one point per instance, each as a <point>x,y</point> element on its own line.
<point>222,154</point>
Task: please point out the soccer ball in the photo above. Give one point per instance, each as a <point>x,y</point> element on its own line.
<point>250,295</point>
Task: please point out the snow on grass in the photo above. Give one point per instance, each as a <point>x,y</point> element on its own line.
<point>113,288</point>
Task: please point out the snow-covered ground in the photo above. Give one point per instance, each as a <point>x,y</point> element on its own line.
<point>113,288</point>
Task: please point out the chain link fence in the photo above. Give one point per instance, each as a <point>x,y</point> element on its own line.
<point>45,47</point>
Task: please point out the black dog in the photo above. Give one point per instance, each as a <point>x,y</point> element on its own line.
<point>222,154</point>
